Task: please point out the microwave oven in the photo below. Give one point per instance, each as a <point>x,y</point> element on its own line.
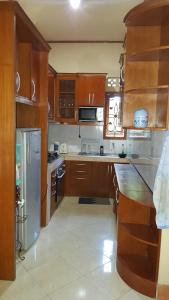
<point>90,114</point>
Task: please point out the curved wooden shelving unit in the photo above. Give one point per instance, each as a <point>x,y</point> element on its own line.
<point>148,90</point>
<point>152,54</point>
<point>138,237</point>
<point>144,233</point>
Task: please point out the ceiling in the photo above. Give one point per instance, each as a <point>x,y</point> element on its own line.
<point>95,20</point>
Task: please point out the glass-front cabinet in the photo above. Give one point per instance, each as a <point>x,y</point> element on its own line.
<point>66,98</point>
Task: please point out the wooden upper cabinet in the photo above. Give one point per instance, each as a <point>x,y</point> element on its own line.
<point>147,64</point>
<point>66,98</point>
<point>27,73</point>
<point>51,93</point>
<point>91,90</point>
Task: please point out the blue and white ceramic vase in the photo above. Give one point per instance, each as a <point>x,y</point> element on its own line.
<point>141,118</point>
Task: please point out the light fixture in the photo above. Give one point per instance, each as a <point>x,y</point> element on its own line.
<point>75,3</point>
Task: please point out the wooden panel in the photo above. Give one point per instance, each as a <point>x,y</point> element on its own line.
<point>84,86</point>
<point>43,124</point>
<point>134,77</point>
<point>7,149</point>
<point>141,38</point>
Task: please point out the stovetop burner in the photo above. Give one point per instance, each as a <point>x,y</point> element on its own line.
<point>52,156</point>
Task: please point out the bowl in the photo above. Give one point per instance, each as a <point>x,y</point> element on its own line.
<point>122,155</point>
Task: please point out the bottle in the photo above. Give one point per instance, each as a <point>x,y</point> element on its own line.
<point>101,150</point>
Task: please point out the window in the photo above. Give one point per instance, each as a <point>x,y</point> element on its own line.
<point>113,113</point>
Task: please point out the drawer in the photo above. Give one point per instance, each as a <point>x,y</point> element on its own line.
<point>80,166</point>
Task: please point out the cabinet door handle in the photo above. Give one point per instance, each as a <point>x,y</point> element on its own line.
<point>75,115</point>
<point>80,164</point>
<point>93,97</point>
<point>89,98</point>
<point>108,169</point>
<point>34,90</point>
<point>80,178</point>
<point>18,82</point>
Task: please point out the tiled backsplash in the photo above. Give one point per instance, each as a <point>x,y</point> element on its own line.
<point>144,153</point>
<point>70,134</point>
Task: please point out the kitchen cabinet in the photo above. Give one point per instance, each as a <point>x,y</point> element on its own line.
<point>91,89</point>
<point>18,38</point>
<point>146,67</point>
<point>27,73</point>
<point>78,178</point>
<point>102,183</point>
<point>89,179</point>
<point>51,93</point>
<point>138,239</point>
<point>66,98</point>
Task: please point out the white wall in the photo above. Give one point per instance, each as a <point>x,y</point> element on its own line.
<point>164,258</point>
<point>86,58</point>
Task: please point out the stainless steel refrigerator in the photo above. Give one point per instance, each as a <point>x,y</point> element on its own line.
<point>28,227</point>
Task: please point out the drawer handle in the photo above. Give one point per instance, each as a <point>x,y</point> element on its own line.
<point>80,164</point>
<point>80,171</point>
<point>80,178</point>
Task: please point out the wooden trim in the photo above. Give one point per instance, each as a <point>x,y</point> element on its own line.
<point>163,292</point>
<point>23,21</point>
<point>8,146</point>
<point>84,42</point>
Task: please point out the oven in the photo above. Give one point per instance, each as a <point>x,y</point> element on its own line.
<point>55,191</point>
<point>60,173</point>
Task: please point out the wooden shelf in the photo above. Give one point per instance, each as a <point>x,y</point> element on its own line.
<point>23,100</point>
<point>154,54</point>
<point>144,233</point>
<point>146,128</point>
<point>149,13</point>
<point>148,90</point>
<point>139,265</point>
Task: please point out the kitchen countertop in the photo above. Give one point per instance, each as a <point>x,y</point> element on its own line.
<point>107,158</point>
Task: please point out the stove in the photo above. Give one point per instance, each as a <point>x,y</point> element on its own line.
<point>52,156</point>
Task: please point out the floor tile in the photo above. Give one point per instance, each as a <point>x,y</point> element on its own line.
<point>23,288</point>
<point>132,295</point>
<point>108,278</point>
<point>54,275</point>
<point>85,259</point>
<point>81,289</point>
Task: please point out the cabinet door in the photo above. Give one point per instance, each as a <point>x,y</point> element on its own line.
<point>101,179</point>
<point>35,76</point>
<point>98,90</point>
<point>84,90</point>
<point>51,94</point>
<point>66,99</point>
<point>24,69</point>
<point>91,90</point>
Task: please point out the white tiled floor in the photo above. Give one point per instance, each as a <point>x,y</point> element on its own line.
<point>74,259</point>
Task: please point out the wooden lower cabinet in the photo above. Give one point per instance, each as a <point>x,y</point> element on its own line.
<point>138,238</point>
<point>89,179</point>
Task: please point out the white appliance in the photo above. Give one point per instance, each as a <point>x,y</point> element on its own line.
<point>63,148</point>
<point>28,214</point>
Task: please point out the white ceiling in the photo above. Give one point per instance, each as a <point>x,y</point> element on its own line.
<point>96,20</point>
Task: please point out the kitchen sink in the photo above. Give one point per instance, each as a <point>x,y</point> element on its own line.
<point>96,154</point>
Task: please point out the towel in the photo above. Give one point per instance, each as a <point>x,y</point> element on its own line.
<point>161,188</point>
